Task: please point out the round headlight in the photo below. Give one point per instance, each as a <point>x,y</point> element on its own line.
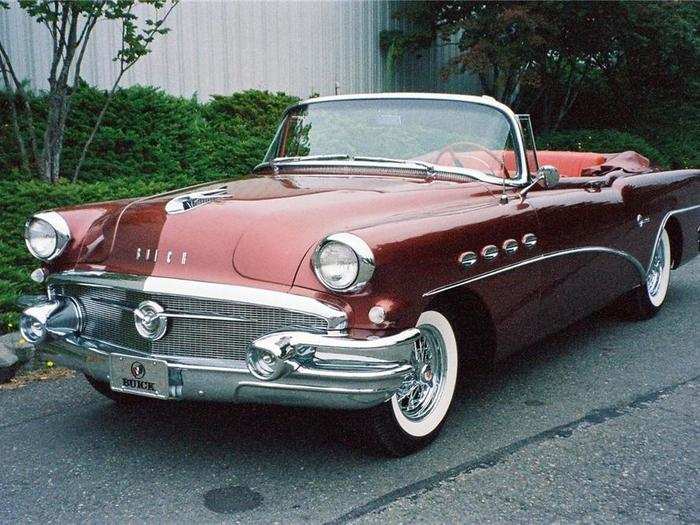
<point>343,262</point>
<point>337,265</point>
<point>46,235</point>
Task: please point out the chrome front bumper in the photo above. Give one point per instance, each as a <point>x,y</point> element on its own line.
<point>291,367</point>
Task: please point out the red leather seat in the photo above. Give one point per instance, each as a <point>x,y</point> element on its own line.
<point>570,163</point>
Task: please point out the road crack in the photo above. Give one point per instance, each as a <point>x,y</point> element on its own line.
<point>593,418</point>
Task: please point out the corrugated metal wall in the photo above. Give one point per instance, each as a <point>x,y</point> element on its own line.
<point>221,46</point>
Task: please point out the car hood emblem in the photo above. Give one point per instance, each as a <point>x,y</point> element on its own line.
<point>192,200</point>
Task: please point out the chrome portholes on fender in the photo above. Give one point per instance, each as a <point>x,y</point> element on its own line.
<point>510,246</point>
<point>489,253</point>
<point>659,272</point>
<point>467,260</point>
<point>529,240</point>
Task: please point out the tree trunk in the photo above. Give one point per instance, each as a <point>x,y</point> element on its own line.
<point>53,136</point>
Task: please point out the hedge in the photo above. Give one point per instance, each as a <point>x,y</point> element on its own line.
<point>150,142</point>
<point>148,133</point>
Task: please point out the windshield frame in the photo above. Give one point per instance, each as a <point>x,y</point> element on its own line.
<point>521,179</point>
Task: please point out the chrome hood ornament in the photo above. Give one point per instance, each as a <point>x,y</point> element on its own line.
<point>183,203</point>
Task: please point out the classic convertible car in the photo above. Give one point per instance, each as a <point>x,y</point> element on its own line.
<point>385,246</point>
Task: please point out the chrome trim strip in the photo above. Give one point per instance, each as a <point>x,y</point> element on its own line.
<point>663,225</point>
<point>308,388</point>
<point>178,314</point>
<point>588,249</point>
<point>523,175</point>
<point>337,319</point>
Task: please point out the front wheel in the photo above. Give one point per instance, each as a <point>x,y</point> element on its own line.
<point>413,417</point>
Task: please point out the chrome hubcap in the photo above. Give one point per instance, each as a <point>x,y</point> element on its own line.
<point>421,390</point>
<point>658,263</point>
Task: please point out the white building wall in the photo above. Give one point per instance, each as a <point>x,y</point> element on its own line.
<point>222,46</point>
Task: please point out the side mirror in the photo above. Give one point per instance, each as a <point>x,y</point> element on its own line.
<point>549,175</point>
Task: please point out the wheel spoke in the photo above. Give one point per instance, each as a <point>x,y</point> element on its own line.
<point>419,393</point>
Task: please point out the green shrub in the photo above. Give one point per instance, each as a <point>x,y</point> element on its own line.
<point>601,141</point>
<point>148,133</point>
<point>675,130</point>
<point>150,142</point>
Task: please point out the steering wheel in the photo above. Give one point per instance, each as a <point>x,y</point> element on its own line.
<point>449,149</point>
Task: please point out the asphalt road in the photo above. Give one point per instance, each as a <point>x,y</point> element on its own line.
<point>599,423</point>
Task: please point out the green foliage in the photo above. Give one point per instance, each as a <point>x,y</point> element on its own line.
<point>602,141</point>
<point>150,142</point>
<point>148,133</point>
<point>603,61</point>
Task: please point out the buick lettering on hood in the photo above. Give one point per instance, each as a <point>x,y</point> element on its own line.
<point>384,248</point>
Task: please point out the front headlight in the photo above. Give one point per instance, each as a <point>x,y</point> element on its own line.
<point>46,235</point>
<point>343,262</point>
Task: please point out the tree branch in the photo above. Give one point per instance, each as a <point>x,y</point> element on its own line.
<point>24,160</point>
<point>27,107</point>
<point>124,67</point>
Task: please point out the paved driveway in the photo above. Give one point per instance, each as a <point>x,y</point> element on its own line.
<point>598,423</point>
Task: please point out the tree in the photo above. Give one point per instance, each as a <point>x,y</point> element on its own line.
<point>540,56</point>
<point>70,24</point>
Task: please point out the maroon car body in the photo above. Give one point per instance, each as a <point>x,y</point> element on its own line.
<point>561,252</point>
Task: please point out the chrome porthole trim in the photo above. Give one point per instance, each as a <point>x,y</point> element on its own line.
<point>365,260</point>
<point>60,226</point>
<point>489,252</point>
<point>510,246</point>
<point>529,240</point>
<point>467,260</point>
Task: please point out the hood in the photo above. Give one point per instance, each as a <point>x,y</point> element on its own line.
<point>261,228</point>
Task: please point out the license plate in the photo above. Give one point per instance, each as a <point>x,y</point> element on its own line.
<point>134,375</point>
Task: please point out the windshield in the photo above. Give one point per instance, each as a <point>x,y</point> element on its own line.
<point>448,133</point>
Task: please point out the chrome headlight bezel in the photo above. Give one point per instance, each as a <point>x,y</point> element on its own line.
<point>365,261</point>
<point>61,233</point>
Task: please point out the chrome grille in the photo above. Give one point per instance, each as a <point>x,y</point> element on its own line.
<point>109,318</point>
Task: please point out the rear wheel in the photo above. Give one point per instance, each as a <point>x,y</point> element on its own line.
<point>648,299</point>
<point>414,416</point>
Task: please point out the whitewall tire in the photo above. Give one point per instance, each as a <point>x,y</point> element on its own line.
<point>413,417</point>
<point>648,299</point>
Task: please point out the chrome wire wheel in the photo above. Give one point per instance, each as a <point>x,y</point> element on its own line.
<point>659,271</point>
<point>424,398</point>
<point>419,392</point>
